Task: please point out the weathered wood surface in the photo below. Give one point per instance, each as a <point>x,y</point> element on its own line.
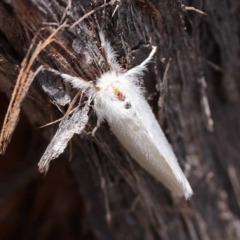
<point>101,193</point>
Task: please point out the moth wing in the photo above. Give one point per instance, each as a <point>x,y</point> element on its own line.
<point>170,173</point>
<point>139,132</point>
<point>147,155</point>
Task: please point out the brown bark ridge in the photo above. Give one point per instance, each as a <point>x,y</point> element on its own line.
<point>101,193</point>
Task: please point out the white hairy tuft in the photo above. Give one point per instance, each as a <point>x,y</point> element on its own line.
<point>119,100</point>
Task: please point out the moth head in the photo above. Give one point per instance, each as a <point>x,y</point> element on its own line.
<point>113,100</point>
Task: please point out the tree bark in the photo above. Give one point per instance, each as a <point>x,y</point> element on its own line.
<point>101,193</point>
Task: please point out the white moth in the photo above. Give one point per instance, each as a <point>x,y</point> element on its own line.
<point>119,99</point>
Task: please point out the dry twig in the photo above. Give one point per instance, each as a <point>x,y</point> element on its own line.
<point>23,83</point>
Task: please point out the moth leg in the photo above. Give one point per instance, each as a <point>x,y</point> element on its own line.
<point>138,70</point>
<point>76,82</point>
<point>96,128</point>
<point>149,58</point>
<point>109,54</point>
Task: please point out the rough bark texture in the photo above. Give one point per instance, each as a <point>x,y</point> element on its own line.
<point>101,193</point>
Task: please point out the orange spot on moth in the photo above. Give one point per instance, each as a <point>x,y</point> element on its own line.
<point>118,94</point>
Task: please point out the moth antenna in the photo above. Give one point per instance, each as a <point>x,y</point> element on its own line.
<point>109,54</point>
<point>139,70</point>
<point>76,82</point>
